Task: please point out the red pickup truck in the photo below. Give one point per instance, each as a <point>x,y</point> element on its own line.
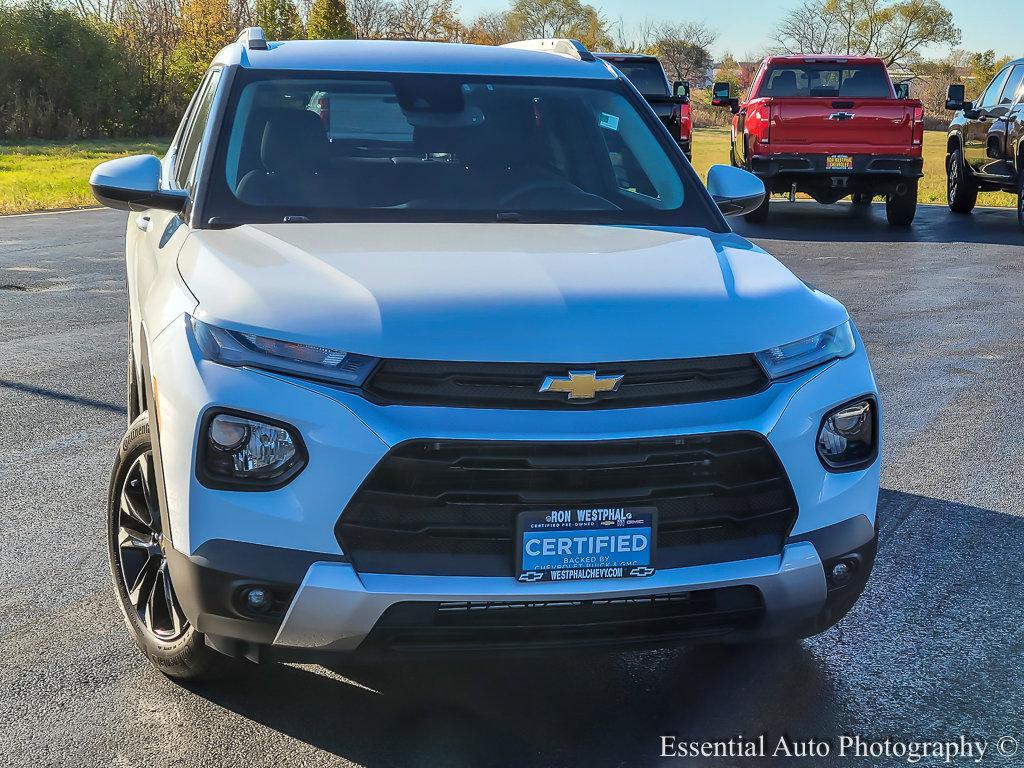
<point>830,127</point>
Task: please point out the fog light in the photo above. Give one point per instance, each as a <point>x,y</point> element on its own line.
<point>848,436</point>
<point>841,573</point>
<point>259,600</point>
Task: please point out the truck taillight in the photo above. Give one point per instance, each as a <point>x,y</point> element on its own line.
<point>323,107</point>
<point>918,136</point>
<point>685,122</point>
<point>759,122</point>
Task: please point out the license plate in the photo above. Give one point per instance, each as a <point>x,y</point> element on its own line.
<point>574,544</point>
<point>839,163</point>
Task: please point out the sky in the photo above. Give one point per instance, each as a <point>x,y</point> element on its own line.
<point>744,26</point>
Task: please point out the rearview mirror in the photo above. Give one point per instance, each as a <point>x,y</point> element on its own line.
<point>133,184</point>
<point>902,90</point>
<point>681,89</point>
<point>955,98</point>
<point>735,190</point>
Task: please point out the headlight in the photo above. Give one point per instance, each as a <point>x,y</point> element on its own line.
<point>848,437</point>
<point>240,452</point>
<point>311,362</point>
<point>810,352</point>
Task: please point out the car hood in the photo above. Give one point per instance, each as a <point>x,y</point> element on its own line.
<point>502,292</point>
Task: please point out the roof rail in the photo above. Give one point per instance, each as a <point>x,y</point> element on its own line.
<point>253,38</point>
<point>562,46</point>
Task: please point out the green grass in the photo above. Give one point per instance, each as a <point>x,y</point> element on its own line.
<point>711,146</point>
<point>46,175</point>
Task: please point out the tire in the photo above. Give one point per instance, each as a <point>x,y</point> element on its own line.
<point>862,198</point>
<point>138,566</point>
<point>1020,199</point>
<point>961,188</point>
<point>760,214</point>
<point>901,209</point>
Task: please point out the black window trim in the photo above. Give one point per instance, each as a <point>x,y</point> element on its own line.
<point>171,156</point>
<point>204,138</point>
<point>1013,67</point>
<point>998,96</point>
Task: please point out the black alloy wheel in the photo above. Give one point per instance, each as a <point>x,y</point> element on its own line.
<point>140,547</point>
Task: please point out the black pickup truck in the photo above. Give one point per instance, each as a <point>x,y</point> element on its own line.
<point>671,104</point>
<point>985,145</point>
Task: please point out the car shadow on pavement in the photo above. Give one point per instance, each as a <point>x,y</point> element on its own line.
<point>895,665</point>
<point>843,222</point>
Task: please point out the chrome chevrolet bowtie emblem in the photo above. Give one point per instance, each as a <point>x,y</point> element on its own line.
<point>581,385</point>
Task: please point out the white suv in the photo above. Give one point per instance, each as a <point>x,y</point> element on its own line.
<point>474,362</point>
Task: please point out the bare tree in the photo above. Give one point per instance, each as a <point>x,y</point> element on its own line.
<point>641,37</point>
<point>894,30</point>
<point>427,20</point>
<point>372,19</point>
<point>490,29</point>
<point>806,29</point>
<point>559,18</point>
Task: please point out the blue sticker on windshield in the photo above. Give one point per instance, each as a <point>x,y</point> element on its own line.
<point>610,122</point>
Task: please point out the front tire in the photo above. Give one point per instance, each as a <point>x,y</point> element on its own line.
<point>138,563</point>
<point>961,189</point>
<point>861,198</point>
<point>1020,200</point>
<point>901,209</point>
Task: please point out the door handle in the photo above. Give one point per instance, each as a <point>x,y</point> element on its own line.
<point>144,222</point>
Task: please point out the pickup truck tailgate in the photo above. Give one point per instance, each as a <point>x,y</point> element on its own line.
<point>841,125</point>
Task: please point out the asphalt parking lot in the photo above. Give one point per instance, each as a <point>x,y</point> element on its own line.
<point>934,650</point>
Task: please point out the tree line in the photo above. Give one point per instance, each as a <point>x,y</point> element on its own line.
<point>73,68</point>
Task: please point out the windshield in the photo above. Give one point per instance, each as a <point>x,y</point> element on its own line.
<point>869,81</point>
<point>443,148</point>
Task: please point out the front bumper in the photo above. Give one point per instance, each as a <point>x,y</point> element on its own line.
<point>333,608</point>
<point>328,605</point>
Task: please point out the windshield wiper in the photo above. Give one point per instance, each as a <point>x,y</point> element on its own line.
<point>510,216</point>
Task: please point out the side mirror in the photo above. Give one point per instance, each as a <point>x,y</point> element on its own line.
<point>955,98</point>
<point>903,91</point>
<point>735,190</point>
<point>681,90</point>
<point>133,184</point>
<point>720,95</point>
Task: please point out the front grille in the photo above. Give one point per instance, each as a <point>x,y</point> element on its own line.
<point>645,619</point>
<point>448,507</point>
<point>516,385</point>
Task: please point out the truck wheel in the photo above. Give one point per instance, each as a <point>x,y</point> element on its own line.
<point>1020,200</point>
<point>138,564</point>
<point>760,214</point>
<point>961,189</point>
<point>862,198</point>
<point>900,209</point>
